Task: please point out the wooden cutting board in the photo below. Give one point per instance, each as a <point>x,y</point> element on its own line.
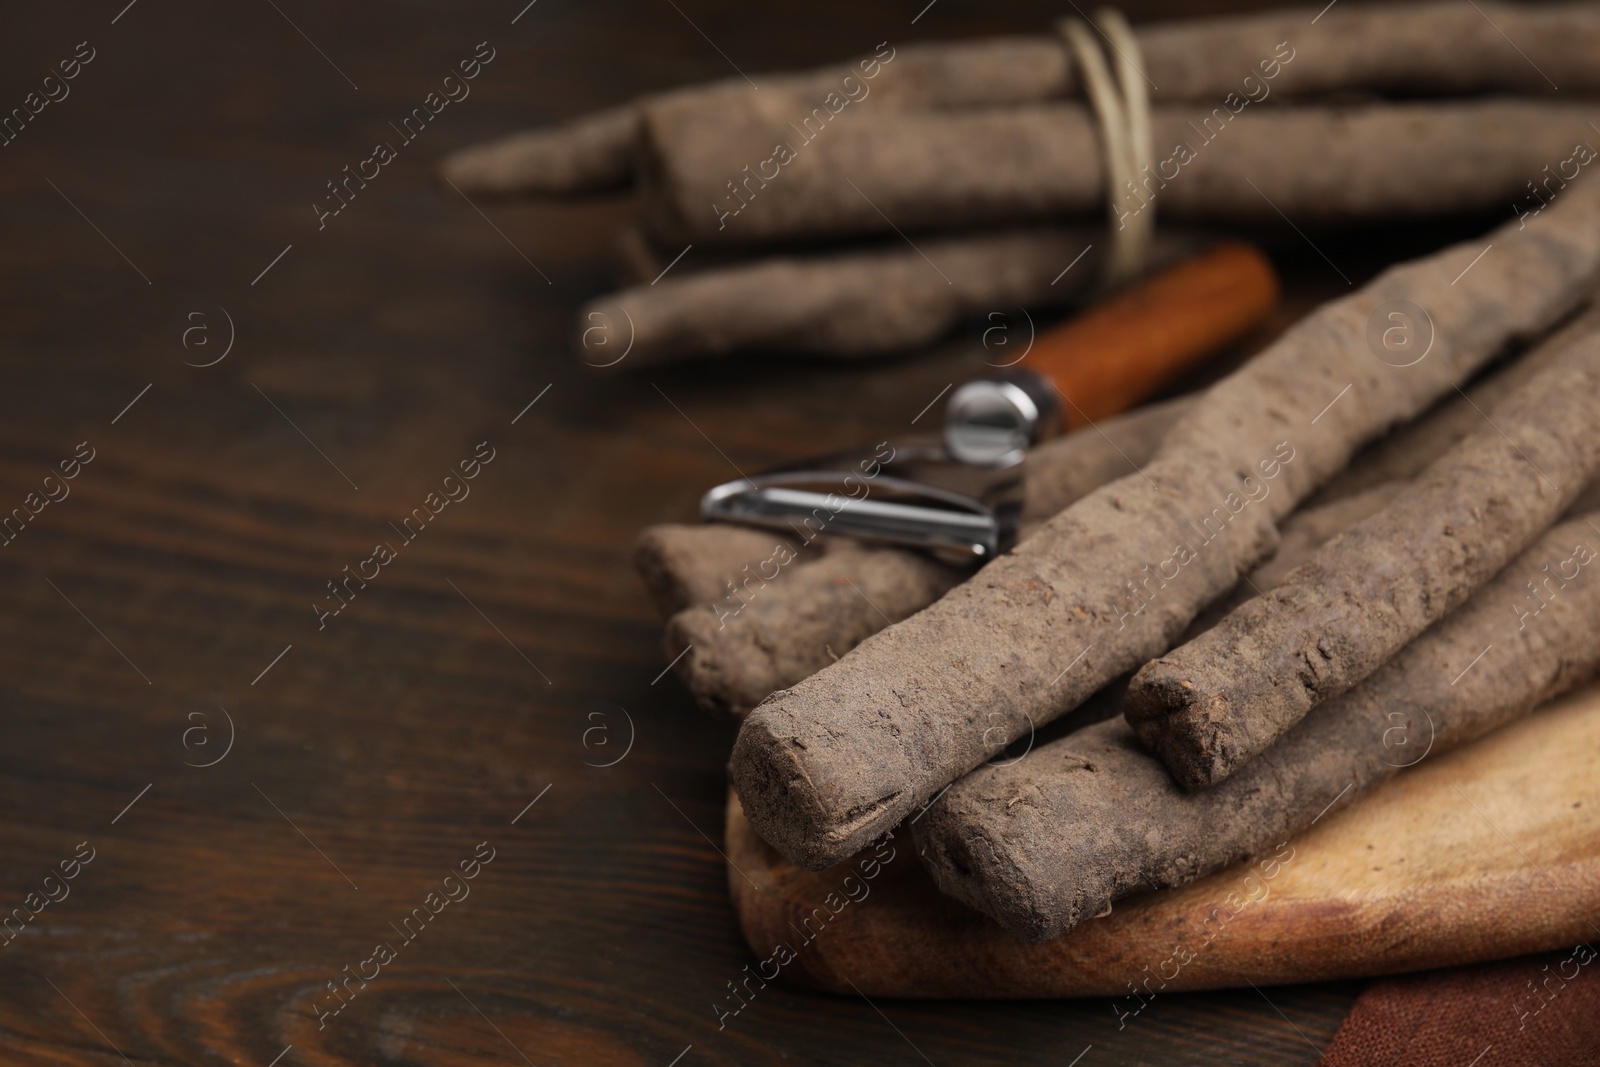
<point>1483,853</point>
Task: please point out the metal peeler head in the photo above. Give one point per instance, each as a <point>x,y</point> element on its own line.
<point>912,495</point>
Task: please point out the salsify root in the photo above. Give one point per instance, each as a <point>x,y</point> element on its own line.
<point>1053,839</point>
<point>1421,49</point>
<point>760,611</point>
<point>1113,580</point>
<point>1208,707</point>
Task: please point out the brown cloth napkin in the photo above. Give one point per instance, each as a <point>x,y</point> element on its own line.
<point>1536,1010</point>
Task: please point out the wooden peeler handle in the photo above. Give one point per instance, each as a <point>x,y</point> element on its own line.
<point>1126,348</point>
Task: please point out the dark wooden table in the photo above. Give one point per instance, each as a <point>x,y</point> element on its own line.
<point>268,791</point>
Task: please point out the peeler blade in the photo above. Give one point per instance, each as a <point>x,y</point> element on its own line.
<point>884,509</point>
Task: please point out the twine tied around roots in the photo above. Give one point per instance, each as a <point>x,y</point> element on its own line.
<point>1122,107</point>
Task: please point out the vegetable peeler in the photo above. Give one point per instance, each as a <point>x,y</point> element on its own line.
<point>959,496</point>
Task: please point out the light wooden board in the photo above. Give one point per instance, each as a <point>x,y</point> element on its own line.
<point>1487,852</point>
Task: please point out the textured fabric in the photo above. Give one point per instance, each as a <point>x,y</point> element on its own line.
<point>1536,1010</point>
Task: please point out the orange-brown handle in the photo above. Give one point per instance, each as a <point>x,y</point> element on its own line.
<point>1126,348</point>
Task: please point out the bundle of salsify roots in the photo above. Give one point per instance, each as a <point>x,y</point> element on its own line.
<point>1278,583</point>
<point>986,152</point>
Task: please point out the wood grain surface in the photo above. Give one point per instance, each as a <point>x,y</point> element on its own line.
<point>1484,853</point>
<point>269,791</point>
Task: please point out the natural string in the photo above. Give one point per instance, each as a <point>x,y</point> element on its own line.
<point>1122,106</point>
